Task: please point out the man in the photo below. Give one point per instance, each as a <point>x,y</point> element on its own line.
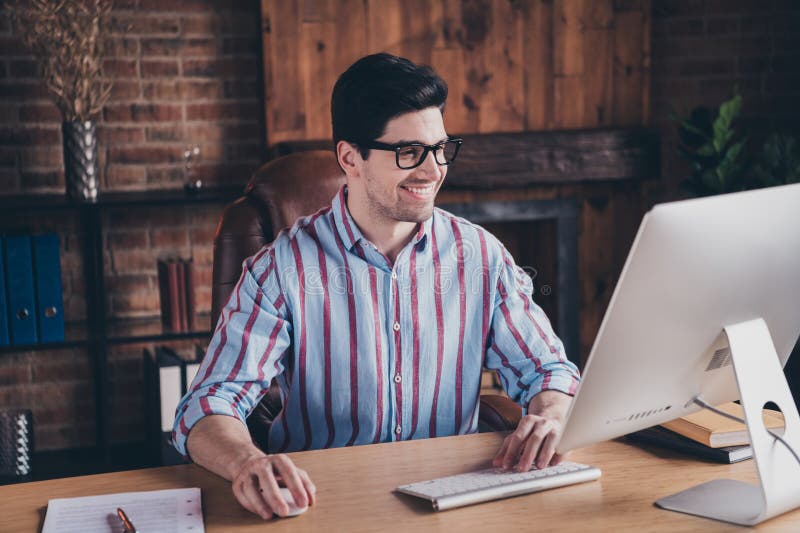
<point>376,314</point>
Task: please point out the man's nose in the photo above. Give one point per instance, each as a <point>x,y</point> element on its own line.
<point>430,167</point>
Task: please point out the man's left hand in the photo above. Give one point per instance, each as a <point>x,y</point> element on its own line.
<point>537,434</point>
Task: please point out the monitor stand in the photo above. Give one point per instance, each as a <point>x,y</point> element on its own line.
<point>760,379</point>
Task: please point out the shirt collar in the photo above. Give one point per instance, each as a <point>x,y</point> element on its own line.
<point>348,229</point>
<point>345,225</point>
<point>421,237</point>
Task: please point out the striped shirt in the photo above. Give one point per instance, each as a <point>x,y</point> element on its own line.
<point>367,351</point>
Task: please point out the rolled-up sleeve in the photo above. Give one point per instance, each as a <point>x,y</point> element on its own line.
<point>246,351</point>
<point>522,345</point>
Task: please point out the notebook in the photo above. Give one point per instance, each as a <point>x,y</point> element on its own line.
<point>174,510</point>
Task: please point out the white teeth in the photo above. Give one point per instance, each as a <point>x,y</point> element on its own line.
<point>420,190</point>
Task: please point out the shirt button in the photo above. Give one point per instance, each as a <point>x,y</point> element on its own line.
<point>396,326</point>
<point>394,275</point>
<point>398,429</point>
<point>397,378</point>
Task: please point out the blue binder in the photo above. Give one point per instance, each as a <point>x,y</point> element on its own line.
<point>49,299</point>
<point>4,339</point>
<point>19,277</point>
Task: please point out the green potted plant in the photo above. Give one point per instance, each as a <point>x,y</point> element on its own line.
<point>718,152</point>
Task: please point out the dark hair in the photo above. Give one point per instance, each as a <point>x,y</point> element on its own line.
<point>376,89</point>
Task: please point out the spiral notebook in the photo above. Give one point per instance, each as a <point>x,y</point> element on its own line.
<point>173,510</point>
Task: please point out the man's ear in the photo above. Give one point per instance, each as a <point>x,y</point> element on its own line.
<point>349,158</point>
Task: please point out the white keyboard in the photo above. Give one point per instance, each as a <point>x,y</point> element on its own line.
<point>494,483</point>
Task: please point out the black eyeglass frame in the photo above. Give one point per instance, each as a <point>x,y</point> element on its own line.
<point>396,148</point>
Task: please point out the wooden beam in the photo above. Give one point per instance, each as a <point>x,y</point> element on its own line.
<point>512,160</point>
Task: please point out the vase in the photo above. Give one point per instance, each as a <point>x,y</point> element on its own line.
<point>80,159</point>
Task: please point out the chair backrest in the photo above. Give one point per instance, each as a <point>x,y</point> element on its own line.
<point>279,193</point>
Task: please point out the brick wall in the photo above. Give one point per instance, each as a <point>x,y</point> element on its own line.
<point>185,72</point>
<point>702,49</point>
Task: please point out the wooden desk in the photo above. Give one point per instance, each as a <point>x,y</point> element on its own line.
<point>355,492</point>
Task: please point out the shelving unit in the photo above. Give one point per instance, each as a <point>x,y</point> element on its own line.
<point>99,332</point>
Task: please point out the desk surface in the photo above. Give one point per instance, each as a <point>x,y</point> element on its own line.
<point>355,492</point>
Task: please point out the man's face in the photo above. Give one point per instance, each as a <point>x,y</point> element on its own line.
<point>401,195</point>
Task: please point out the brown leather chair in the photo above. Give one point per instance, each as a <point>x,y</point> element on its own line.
<point>280,192</point>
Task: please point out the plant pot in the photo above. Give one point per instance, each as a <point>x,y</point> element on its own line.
<point>80,159</point>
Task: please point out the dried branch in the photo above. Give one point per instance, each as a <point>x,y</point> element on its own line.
<point>67,39</point>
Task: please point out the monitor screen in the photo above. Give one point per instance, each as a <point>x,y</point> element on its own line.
<point>695,267</point>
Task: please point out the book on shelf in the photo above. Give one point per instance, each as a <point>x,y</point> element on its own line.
<point>191,310</point>
<point>176,293</point>
<point>4,333</point>
<point>174,296</point>
<point>662,437</point>
<point>181,273</point>
<point>21,293</point>
<point>49,296</point>
<point>716,431</point>
<point>168,294</point>
<point>163,291</point>
<point>31,297</point>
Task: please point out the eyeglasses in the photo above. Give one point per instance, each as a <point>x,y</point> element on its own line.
<point>412,155</point>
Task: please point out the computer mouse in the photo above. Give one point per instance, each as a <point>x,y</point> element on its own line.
<point>294,509</point>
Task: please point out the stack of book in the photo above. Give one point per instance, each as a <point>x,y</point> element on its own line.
<point>31,303</point>
<point>708,435</point>
<point>176,292</point>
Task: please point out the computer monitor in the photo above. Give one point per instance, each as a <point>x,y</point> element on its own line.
<point>696,267</point>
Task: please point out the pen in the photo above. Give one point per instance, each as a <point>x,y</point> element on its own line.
<point>129,528</point>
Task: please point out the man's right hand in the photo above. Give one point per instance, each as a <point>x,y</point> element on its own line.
<point>257,483</point>
<point>223,445</point>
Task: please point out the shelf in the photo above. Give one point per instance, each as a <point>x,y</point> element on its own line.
<point>120,332</point>
<point>156,197</point>
<point>98,332</point>
<point>152,330</point>
<point>75,336</point>
<point>153,197</point>
<point>25,202</point>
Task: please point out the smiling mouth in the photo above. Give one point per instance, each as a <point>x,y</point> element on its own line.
<point>420,190</point>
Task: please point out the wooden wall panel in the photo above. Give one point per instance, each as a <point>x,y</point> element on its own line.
<point>349,40</point>
<point>285,105</point>
<point>503,107</point>
<point>598,77</point>
<point>385,27</point>
<point>568,33</point>
<point>538,37</point>
<point>512,65</point>
<point>318,64</point>
<point>570,93</point>
<point>631,65</point>
<point>420,24</point>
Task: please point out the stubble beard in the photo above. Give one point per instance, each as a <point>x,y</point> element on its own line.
<point>398,213</point>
